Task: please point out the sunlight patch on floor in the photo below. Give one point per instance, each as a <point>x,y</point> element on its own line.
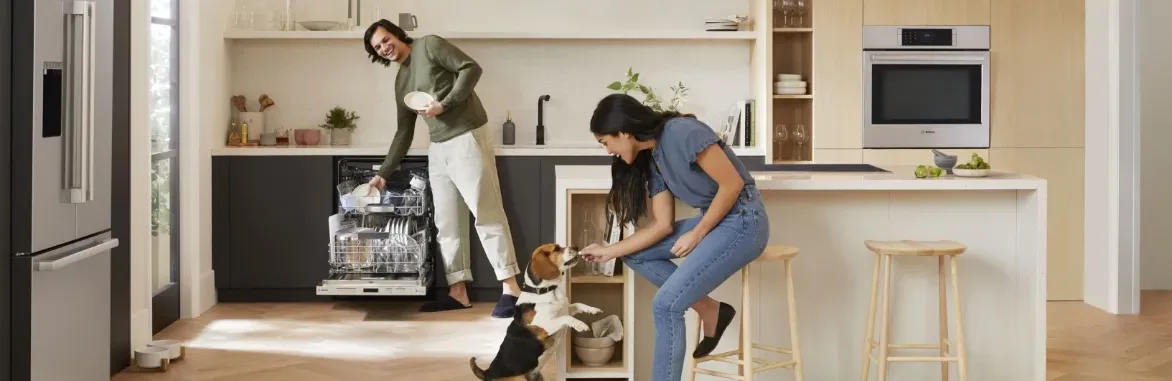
<point>361,340</point>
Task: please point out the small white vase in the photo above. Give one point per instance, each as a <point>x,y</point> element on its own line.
<point>340,137</point>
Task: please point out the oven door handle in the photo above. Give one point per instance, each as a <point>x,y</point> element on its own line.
<point>949,59</point>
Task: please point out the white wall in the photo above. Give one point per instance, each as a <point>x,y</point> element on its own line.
<point>307,78</point>
<point>1154,60</point>
<point>1110,227</point>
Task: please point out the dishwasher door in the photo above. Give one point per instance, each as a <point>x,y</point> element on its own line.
<point>69,311</point>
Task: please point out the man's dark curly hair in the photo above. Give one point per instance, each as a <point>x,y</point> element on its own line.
<point>395,30</point>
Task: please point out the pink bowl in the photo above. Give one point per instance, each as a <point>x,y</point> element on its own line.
<point>312,137</point>
<point>299,136</point>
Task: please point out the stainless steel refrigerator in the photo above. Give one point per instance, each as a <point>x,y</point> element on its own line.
<point>58,124</point>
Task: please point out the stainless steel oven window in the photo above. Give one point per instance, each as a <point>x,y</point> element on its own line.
<point>926,99</point>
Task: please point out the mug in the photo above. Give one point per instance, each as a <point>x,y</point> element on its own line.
<point>268,139</point>
<point>408,22</point>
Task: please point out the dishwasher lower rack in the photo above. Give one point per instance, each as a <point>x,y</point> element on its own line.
<point>391,261</point>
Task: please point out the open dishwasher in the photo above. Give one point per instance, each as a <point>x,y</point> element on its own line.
<point>380,242</point>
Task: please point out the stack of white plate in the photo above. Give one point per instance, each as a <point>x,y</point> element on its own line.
<point>721,25</point>
<point>789,84</point>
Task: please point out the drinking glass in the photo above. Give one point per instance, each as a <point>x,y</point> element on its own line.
<point>800,138</point>
<point>781,135</point>
<point>787,6</point>
<point>800,10</point>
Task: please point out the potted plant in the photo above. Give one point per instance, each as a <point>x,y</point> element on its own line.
<point>679,93</point>
<point>340,123</point>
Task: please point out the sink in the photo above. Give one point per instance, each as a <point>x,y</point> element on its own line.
<point>844,167</point>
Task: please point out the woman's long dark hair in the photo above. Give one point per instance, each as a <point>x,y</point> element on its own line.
<point>391,28</point>
<point>617,113</point>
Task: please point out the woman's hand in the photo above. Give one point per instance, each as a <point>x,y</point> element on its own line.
<point>686,243</point>
<point>377,182</point>
<point>433,109</point>
<point>596,253</point>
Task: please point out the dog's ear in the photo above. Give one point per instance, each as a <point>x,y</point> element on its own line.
<point>542,265</point>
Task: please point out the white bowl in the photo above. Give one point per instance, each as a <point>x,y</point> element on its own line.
<point>151,357</point>
<point>970,172</point>
<point>789,90</point>
<point>174,347</point>
<point>418,100</point>
<point>788,77</point>
<point>319,25</point>
<point>594,356</point>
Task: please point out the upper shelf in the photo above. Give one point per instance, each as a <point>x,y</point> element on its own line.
<point>629,35</point>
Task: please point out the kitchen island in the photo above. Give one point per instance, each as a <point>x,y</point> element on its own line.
<point>1002,276</point>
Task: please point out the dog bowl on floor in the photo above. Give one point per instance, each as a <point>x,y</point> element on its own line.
<point>594,356</point>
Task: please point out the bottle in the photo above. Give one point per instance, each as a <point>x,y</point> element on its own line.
<point>244,133</point>
<point>509,130</point>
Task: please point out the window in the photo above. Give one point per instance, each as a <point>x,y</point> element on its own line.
<point>164,127</point>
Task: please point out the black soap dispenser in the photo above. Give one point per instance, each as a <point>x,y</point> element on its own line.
<point>509,130</point>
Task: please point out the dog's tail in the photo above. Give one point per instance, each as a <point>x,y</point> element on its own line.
<point>479,373</point>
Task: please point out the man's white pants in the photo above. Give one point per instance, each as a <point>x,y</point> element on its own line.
<point>463,177</point>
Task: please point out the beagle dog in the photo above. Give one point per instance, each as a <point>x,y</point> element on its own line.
<point>542,311</point>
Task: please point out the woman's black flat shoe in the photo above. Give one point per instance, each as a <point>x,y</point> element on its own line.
<point>708,344</point>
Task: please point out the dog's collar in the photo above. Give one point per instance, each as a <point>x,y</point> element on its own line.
<point>525,287</point>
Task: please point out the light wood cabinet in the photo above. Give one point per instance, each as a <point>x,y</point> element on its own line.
<point>1063,170</point>
<point>1038,73</point>
<point>838,62</point>
<point>926,12</point>
<point>833,156</point>
<point>913,157</point>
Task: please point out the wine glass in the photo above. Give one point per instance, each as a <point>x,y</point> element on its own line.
<point>800,10</point>
<point>781,135</point>
<point>787,6</point>
<point>800,138</point>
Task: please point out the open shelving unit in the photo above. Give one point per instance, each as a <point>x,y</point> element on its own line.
<point>791,52</point>
<point>614,295</point>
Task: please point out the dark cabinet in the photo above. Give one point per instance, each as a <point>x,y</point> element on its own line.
<point>271,219</point>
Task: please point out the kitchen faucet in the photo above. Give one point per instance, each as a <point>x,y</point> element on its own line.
<point>541,119</point>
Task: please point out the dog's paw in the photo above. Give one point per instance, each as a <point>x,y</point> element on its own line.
<point>589,310</point>
<point>579,326</point>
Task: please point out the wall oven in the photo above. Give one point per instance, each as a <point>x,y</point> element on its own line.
<point>926,86</point>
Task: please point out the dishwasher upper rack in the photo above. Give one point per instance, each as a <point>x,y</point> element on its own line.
<point>405,202</point>
<point>367,251</point>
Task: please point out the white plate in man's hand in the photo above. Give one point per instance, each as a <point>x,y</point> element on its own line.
<point>418,100</point>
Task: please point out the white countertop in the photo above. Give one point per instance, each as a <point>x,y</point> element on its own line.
<point>380,149</point>
<point>900,178</point>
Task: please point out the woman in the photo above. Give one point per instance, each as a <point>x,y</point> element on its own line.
<point>665,155</point>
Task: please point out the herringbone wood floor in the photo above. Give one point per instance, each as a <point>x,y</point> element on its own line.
<point>377,342</point>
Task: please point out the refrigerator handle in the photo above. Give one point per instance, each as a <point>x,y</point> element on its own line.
<point>60,263</point>
<point>80,100</point>
<point>91,85</point>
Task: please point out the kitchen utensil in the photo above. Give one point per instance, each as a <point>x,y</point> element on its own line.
<point>418,100</point>
<point>319,25</point>
<point>238,103</point>
<point>408,22</point>
<point>594,356</point>
<point>946,163</point>
<point>800,138</point>
<point>265,102</point>
<point>587,340</point>
<point>939,152</point>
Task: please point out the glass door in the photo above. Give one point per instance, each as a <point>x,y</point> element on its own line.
<point>164,119</point>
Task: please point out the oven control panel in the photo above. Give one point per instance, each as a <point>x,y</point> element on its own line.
<point>926,37</point>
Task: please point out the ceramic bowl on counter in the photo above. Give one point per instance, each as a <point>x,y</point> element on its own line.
<point>594,356</point>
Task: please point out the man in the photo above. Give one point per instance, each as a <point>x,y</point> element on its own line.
<point>461,158</point>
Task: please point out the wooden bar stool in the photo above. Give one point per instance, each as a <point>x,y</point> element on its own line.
<point>886,250</point>
<point>745,342</point>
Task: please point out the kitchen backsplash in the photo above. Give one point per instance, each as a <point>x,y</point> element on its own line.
<point>308,77</point>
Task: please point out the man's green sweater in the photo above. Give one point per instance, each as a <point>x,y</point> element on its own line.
<point>439,68</point>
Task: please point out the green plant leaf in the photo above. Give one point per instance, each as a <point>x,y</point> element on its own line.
<point>616,85</point>
<point>635,78</point>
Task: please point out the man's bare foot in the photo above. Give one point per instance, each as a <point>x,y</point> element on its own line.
<point>459,291</point>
